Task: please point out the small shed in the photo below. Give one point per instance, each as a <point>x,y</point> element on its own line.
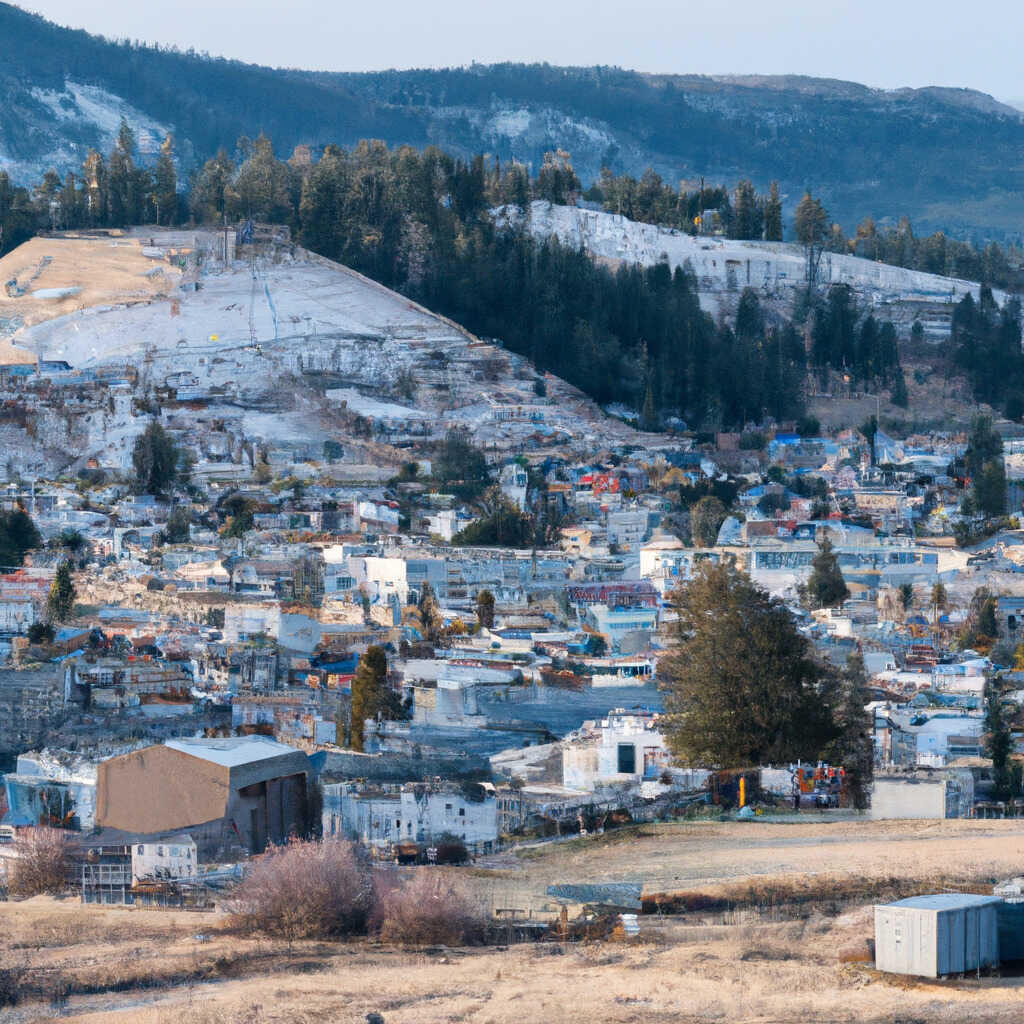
<point>929,936</point>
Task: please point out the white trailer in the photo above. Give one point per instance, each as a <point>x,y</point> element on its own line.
<point>928,936</point>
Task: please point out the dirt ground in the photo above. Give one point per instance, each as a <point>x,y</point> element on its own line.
<point>788,965</point>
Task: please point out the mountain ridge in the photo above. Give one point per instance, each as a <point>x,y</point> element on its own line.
<point>948,158</point>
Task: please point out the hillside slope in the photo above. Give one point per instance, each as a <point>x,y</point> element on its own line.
<point>276,347</point>
<point>946,157</point>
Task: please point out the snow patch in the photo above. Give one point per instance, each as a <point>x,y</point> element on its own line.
<point>511,123</point>
<point>102,110</point>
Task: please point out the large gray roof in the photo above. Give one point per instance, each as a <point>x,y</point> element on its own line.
<point>945,901</point>
<point>232,751</point>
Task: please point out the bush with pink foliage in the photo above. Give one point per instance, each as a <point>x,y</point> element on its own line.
<point>431,907</point>
<point>305,889</point>
<point>42,862</point>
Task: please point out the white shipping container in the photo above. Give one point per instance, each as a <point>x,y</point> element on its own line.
<point>928,936</point>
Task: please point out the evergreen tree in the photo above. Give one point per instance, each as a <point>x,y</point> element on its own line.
<point>939,601</point>
<point>706,518</point>
<point>826,587</point>
<point>18,536</point>
<point>60,603</point>
<point>485,609</point>
<point>430,614</point>
<point>165,185</point>
<point>155,460</point>
<point>741,687</point>
<point>983,463</point>
<point>998,741</point>
<point>773,215</point>
<point>868,429</point>
<point>372,696</point>
<point>853,748</point>
<point>747,217</point>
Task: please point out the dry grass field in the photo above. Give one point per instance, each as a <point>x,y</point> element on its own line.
<point>799,960</point>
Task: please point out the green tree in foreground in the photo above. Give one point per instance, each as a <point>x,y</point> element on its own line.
<point>826,587</point>
<point>60,604</point>
<point>372,697</point>
<point>741,687</point>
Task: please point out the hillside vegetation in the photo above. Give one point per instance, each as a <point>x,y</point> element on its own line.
<point>945,157</point>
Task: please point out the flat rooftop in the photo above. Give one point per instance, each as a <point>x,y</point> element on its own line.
<point>232,751</point>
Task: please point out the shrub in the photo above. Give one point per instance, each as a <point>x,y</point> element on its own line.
<point>305,889</point>
<point>451,850</point>
<point>42,862</point>
<point>430,908</point>
<point>12,980</point>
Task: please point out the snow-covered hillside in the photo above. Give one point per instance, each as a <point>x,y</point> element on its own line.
<point>75,119</point>
<point>273,346</point>
<point>724,267</point>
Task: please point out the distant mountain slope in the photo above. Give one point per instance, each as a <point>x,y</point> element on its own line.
<point>948,158</point>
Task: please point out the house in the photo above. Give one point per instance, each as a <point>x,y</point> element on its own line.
<point>382,816</point>
<point>623,747</point>
<point>241,791</point>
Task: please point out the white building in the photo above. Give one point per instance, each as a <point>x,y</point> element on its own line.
<point>382,817</point>
<point>380,578</point>
<point>627,527</point>
<point>622,748</point>
<point>171,857</point>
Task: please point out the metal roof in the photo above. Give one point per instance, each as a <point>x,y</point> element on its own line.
<point>945,901</point>
<point>232,751</point>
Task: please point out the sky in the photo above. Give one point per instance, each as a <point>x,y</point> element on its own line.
<point>882,43</point>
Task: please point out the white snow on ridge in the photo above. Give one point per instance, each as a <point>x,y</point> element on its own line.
<point>722,264</point>
<point>510,122</point>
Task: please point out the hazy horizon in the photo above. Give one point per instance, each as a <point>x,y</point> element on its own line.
<point>878,44</point>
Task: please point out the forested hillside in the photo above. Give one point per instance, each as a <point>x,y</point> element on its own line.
<point>950,159</point>
<point>421,223</point>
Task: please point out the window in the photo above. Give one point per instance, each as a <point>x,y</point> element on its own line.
<point>448,807</point>
<point>462,812</point>
<point>627,759</point>
<point>159,851</point>
<point>141,850</point>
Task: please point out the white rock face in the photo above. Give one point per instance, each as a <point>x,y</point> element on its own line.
<point>722,265</point>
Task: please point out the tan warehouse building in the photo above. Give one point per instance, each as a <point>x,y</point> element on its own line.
<point>238,792</point>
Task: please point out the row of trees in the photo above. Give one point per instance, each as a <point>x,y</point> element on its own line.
<point>987,347</point>
<point>743,215</point>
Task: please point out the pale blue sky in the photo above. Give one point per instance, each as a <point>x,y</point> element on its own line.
<point>885,43</point>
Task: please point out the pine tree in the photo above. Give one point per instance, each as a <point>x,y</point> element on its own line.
<point>826,587</point>
<point>155,460</point>
<point>485,609</point>
<point>998,741</point>
<point>773,215</point>
<point>372,697</point>
<point>60,603</point>
<point>706,518</point>
<point>18,535</point>
<point>430,614</point>
<point>165,184</point>
<point>741,686</point>
<point>853,748</point>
